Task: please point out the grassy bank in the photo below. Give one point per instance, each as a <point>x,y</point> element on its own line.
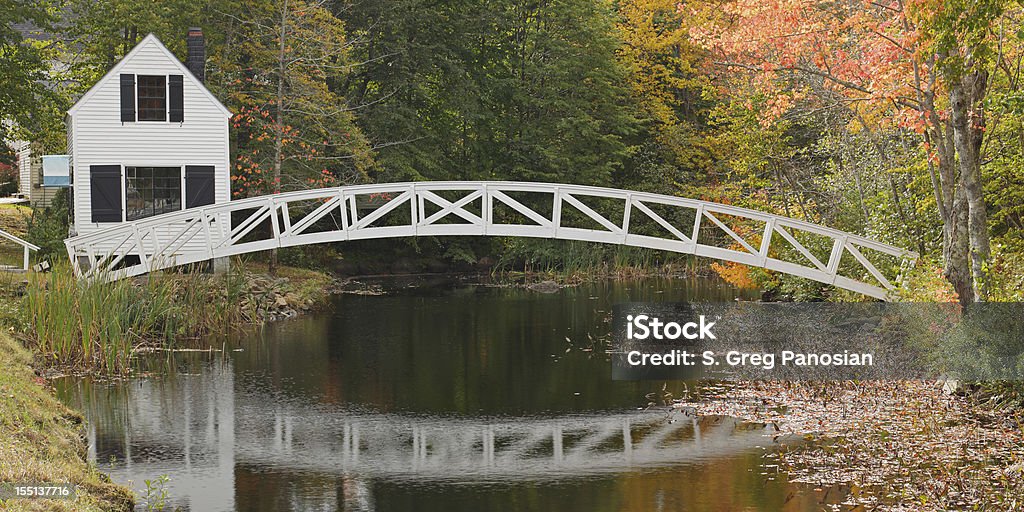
<point>41,440</point>
<point>99,326</point>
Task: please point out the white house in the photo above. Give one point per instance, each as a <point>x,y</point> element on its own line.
<point>147,139</point>
<point>39,176</point>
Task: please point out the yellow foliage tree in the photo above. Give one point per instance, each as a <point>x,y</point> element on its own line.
<point>665,77</point>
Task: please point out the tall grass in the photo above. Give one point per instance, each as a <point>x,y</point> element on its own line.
<point>572,259</point>
<point>98,325</point>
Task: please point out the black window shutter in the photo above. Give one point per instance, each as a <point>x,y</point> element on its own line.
<point>199,185</point>
<point>127,98</point>
<point>105,186</point>
<point>176,95</point>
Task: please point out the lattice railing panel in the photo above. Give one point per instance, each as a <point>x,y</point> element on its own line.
<point>540,210</point>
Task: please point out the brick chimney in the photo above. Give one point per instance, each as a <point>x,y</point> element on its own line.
<point>196,60</point>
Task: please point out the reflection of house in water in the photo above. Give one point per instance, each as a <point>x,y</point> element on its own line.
<point>229,448</point>
<point>163,425</point>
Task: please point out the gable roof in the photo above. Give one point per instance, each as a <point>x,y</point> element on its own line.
<point>114,71</point>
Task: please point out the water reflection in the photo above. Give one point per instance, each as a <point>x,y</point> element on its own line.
<point>437,399</point>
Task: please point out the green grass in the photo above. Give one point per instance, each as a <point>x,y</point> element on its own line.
<point>41,441</point>
<point>14,218</point>
<point>98,326</point>
<point>574,261</point>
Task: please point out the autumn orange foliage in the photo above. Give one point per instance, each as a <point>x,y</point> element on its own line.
<point>736,274</point>
<point>863,53</point>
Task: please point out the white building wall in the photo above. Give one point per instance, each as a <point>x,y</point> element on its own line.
<point>24,152</point>
<point>98,137</point>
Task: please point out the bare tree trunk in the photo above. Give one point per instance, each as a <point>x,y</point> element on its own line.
<point>950,198</point>
<point>956,249</point>
<point>968,133</point>
<point>279,120</point>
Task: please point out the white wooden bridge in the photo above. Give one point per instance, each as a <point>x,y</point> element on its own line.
<point>492,208</point>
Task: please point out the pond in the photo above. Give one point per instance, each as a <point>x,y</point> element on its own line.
<point>437,395</point>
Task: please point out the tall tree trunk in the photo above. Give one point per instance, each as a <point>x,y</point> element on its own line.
<point>968,133</point>
<point>956,249</point>
<point>951,199</point>
<point>279,119</point>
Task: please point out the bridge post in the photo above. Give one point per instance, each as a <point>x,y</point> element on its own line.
<point>488,209</point>
<point>556,441</point>
<point>696,433</point>
<point>137,237</point>
<point>627,439</point>
<point>766,240</point>
<point>415,207</point>
<point>556,212</point>
<point>836,257</point>
<point>696,224</point>
<point>274,222</point>
<point>286,217</point>
<point>353,209</point>
<point>626,210</point>
<point>341,212</point>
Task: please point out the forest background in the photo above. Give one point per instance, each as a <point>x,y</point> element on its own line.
<point>899,120</point>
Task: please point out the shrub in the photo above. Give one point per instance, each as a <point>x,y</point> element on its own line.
<point>48,227</point>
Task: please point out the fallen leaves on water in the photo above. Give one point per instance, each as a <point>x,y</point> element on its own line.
<point>902,445</point>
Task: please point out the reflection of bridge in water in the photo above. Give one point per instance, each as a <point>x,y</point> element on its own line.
<point>395,446</point>
<point>211,432</point>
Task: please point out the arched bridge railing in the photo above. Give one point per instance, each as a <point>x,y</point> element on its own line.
<point>541,210</point>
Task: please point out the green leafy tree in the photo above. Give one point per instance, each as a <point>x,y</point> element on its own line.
<point>276,68</point>
<point>24,68</point>
<point>493,90</point>
<point>673,93</point>
<point>103,31</point>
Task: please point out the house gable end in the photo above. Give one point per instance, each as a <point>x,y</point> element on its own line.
<point>174,66</point>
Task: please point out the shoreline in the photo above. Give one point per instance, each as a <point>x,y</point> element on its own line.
<point>70,328</point>
<point>43,441</point>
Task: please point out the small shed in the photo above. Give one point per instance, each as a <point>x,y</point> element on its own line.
<point>33,185</point>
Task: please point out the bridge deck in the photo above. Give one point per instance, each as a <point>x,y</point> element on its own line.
<point>491,208</point>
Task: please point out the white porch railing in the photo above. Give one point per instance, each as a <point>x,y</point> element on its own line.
<point>27,247</point>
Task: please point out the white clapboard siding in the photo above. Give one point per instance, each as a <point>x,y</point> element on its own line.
<point>24,150</point>
<point>98,137</point>
<point>70,126</point>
